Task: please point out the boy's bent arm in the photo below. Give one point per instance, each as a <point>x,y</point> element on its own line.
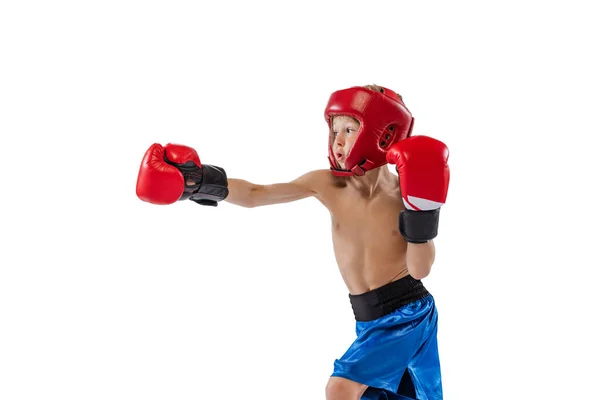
<point>420,258</point>
<point>247,194</point>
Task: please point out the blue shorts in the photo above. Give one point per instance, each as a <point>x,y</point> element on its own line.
<point>396,346</point>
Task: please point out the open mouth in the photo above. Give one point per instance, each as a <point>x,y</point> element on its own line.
<point>339,156</point>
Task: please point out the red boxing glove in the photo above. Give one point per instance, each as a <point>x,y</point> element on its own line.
<point>174,172</point>
<point>422,165</point>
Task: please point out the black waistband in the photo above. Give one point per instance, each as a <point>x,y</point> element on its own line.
<point>381,301</point>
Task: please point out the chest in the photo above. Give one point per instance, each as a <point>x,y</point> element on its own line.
<point>370,217</point>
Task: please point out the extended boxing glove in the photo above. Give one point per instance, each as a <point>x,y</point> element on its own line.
<point>422,165</point>
<point>174,172</point>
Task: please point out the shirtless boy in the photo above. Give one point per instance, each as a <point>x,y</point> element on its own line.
<point>383,228</point>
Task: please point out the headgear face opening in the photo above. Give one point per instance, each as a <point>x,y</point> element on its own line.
<point>384,120</point>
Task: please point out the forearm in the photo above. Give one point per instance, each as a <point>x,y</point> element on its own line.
<point>240,192</point>
<point>246,194</point>
<point>420,258</point>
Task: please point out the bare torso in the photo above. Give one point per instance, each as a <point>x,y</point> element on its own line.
<point>368,247</point>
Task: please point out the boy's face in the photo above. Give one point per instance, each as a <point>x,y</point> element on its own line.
<point>344,132</point>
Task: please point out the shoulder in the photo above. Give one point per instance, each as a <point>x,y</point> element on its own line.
<point>320,179</point>
<point>321,183</point>
<point>313,176</point>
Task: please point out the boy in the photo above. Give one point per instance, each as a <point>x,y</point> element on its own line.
<point>382,228</point>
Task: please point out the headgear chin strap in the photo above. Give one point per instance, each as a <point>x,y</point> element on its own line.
<point>384,120</point>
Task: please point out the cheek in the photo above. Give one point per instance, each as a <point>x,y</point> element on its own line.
<point>350,141</point>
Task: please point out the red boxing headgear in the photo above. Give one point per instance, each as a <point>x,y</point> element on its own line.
<point>384,120</point>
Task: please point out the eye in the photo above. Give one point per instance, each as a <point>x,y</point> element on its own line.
<point>349,130</point>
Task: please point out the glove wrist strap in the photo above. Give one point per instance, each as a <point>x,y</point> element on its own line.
<point>206,185</point>
<point>213,186</point>
<point>419,226</point>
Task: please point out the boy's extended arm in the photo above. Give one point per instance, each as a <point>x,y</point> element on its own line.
<point>247,194</point>
<point>174,172</point>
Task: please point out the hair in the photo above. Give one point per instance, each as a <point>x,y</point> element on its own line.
<point>377,88</point>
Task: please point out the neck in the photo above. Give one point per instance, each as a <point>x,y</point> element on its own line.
<point>372,181</point>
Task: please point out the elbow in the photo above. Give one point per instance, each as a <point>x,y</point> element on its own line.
<point>421,269</point>
<point>419,273</point>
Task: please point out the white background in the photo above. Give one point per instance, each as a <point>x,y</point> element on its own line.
<point>103,296</point>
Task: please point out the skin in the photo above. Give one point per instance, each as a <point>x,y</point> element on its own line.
<point>368,246</point>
